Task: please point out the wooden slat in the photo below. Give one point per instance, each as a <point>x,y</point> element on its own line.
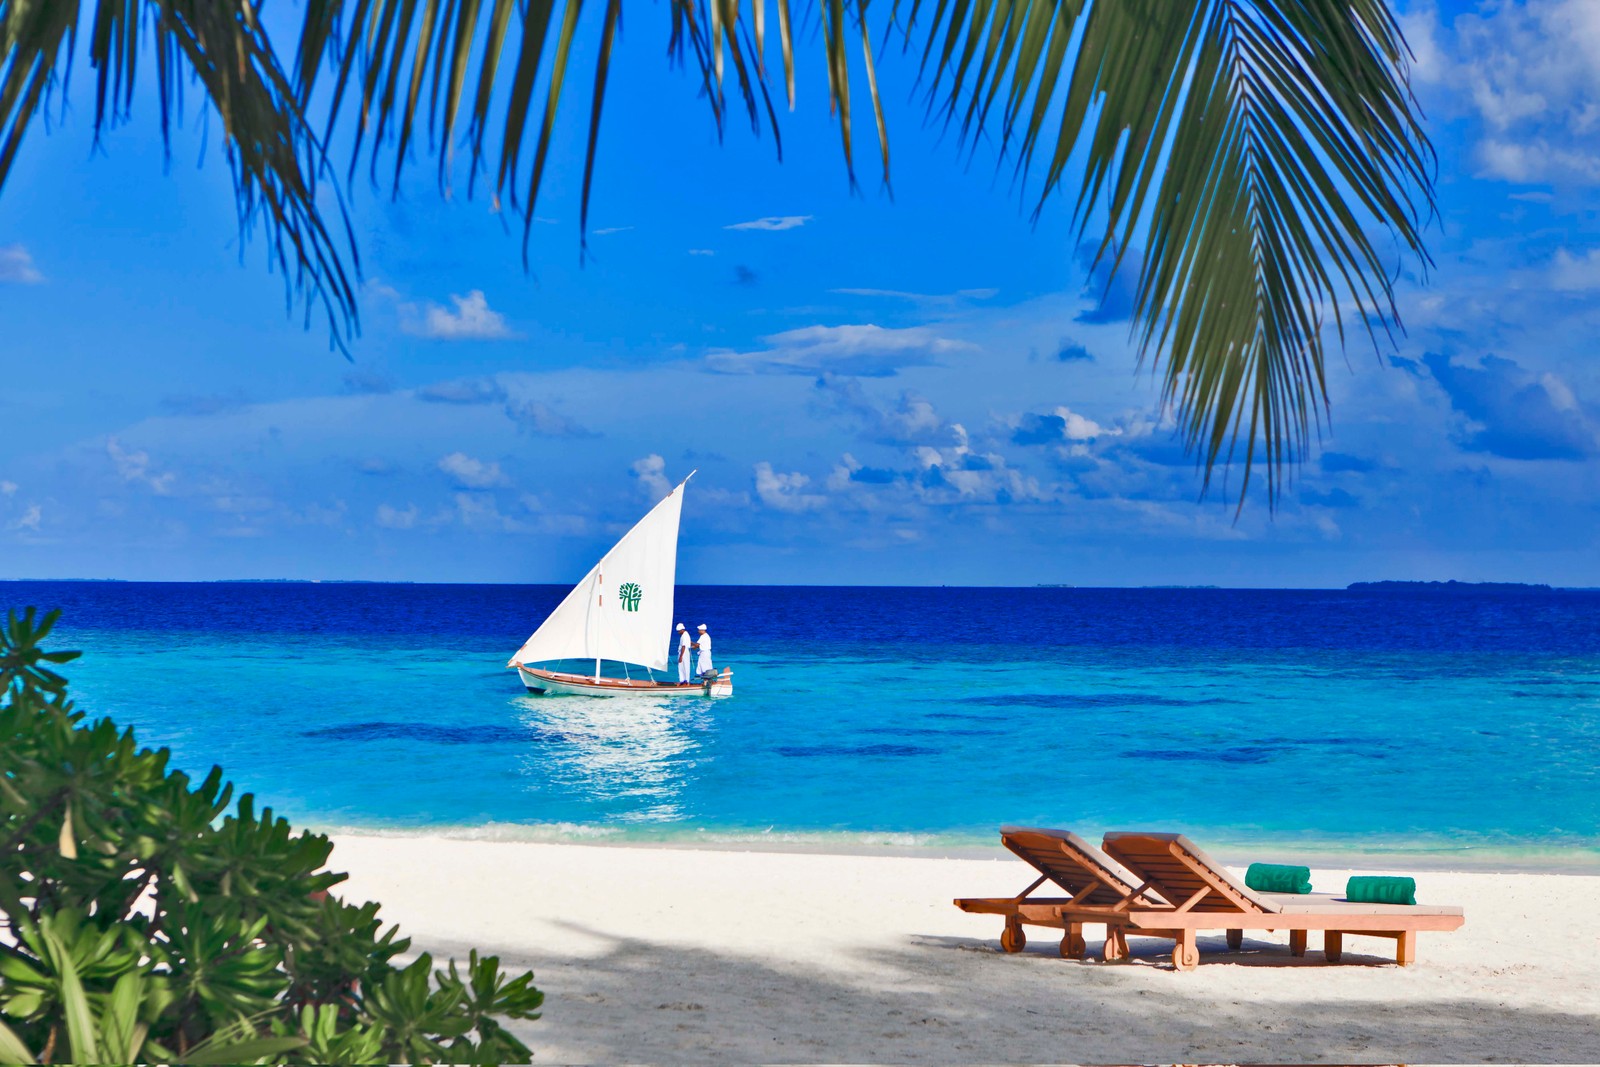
<point>1348,923</point>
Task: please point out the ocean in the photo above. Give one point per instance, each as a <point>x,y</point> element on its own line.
<point>1460,726</point>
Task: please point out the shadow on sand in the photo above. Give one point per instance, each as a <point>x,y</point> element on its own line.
<point>959,1000</point>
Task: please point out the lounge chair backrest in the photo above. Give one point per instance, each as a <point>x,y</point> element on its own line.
<point>1182,872</point>
<point>1071,863</point>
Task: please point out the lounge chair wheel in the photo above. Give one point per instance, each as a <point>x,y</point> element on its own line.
<point>1185,956</point>
<point>1012,939</point>
<point>1235,940</point>
<point>1073,946</point>
<point>1115,948</point>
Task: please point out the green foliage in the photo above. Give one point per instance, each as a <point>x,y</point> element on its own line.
<point>151,918</point>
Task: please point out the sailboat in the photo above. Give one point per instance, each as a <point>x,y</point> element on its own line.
<point>621,612</point>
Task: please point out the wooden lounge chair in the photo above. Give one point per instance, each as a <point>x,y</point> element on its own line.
<point>1097,891</point>
<point>1204,896</point>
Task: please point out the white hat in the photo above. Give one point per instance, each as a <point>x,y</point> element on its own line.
<point>702,626</point>
<point>680,626</point>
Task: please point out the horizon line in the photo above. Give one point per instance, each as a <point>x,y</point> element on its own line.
<point>1192,587</point>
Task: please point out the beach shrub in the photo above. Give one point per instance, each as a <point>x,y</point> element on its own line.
<point>152,917</point>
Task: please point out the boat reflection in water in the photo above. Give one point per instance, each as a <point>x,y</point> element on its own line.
<point>637,753</point>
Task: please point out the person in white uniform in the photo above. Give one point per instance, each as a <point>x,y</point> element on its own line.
<point>684,663</point>
<point>703,643</point>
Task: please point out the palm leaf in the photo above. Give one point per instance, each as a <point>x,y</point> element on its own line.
<point>1250,147</point>
<point>513,46</point>
<point>219,46</point>
<point>1239,155</point>
<point>1242,156</point>
<point>12,1050</point>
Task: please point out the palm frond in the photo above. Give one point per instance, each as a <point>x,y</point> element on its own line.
<point>34,39</point>
<point>370,46</point>
<point>220,46</point>
<point>1257,151</point>
<point>1246,157</point>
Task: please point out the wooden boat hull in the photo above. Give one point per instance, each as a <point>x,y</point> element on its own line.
<point>560,683</point>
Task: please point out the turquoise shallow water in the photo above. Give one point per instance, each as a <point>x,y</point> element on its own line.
<point>1465,726</point>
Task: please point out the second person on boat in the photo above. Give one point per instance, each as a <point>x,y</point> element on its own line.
<point>703,643</point>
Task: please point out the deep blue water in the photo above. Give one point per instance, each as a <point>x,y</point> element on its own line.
<point>1412,721</point>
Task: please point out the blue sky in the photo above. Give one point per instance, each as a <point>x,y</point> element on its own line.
<point>918,390</point>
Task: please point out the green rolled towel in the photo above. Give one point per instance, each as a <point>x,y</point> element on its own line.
<point>1375,889</point>
<point>1278,878</point>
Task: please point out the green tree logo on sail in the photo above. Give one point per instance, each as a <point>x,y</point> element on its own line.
<point>631,595</point>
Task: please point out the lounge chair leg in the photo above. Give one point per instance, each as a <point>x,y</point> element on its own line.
<point>1332,945</point>
<point>1235,940</point>
<point>1012,939</point>
<point>1072,943</point>
<point>1116,946</point>
<point>1185,953</point>
<point>1297,942</point>
<point>1405,948</point>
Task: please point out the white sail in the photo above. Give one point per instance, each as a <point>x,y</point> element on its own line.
<point>622,610</point>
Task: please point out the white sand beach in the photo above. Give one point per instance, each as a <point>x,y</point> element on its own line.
<point>674,955</point>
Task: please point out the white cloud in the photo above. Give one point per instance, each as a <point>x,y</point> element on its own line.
<point>539,419</point>
<point>30,519</point>
<point>134,468</point>
<point>1531,73</point>
<point>1515,412</point>
<point>1535,161</point>
<point>1080,428</point>
<point>652,474</point>
<point>785,492</point>
<point>971,474</point>
<point>472,320</point>
<point>392,518</point>
<point>701,252</point>
<point>16,266</point>
<point>863,350</point>
<point>241,503</point>
<point>840,476</point>
<point>1573,274</point>
<point>472,473</point>
<point>772,223</point>
<point>482,514</point>
<point>463,391</point>
<point>939,464</point>
<point>7,488</point>
<point>1060,425</point>
<point>611,230</point>
<point>315,514</point>
<point>960,295</point>
<point>909,420</point>
<point>366,381</point>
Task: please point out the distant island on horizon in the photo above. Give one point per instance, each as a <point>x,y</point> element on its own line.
<point>1452,586</point>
